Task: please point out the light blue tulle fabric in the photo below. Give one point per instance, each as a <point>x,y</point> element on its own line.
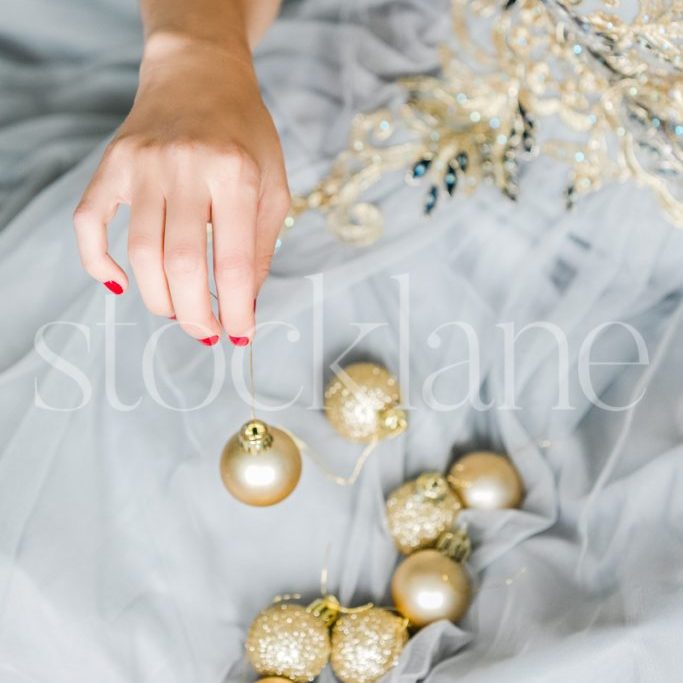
<point>123,560</point>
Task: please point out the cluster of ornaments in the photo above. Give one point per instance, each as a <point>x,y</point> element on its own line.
<point>432,582</point>
<point>261,464</point>
<point>292,643</point>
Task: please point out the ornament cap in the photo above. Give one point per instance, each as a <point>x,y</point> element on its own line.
<point>326,608</point>
<point>455,544</point>
<point>329,609</point>
<point>432,485</point>
<point>393,420</point>
<point>255,436</point>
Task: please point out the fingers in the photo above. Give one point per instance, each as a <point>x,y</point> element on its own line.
<point>96,208</point>
<point>187,212</point>
<point>234,211</point>
<point>146,249</point>
<point>273,209</point>
<point>172,197</point>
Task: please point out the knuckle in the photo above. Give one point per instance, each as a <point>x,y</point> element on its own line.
<point>281,201</point>
<point>241,166</point>
<point>232,267</point>
<point>181,150</point>
<point>263,263</point>
<point>183,260</point>
<point>142,250</point>
<point>262,269</point>
<point>83,214</point>
<point>120,150</point>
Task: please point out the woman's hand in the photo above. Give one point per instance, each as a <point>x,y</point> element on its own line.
<point>198,146</point>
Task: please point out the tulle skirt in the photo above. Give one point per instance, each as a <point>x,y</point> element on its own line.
<point>122,558</point>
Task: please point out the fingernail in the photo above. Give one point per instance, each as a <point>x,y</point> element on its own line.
<point>239,341</point>
<point>209,341</point>
<point>172,317</point>
<point>113,286</point>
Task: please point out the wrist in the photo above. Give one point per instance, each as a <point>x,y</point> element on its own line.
<point>167,46</point>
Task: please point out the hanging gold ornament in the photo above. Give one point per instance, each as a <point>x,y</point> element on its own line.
<point>366,644</point>
<point>260,465</point>
<point>420,510</point>
<point>433,584</point>
<point>363,403</point>
<point>288,640</point>
<point>486,481</point>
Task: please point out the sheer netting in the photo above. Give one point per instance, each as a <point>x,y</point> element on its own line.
<point>123,560</point>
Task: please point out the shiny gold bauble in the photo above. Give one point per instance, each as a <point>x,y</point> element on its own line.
<point>486,481</point>
<point>260,465</point>
<point>366,644</point>
<point>419,511</point>
<point>286,640</point>
<point>428,586</point>
<point>362,403</point>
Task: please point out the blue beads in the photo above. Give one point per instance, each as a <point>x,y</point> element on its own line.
<point>432,198</point>
<point>450,180</point>
<point>421,167</point>
<point>463,160</point>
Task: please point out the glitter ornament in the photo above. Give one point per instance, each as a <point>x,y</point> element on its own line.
<point>419,511</point>
<point>288,640</point>
<point>366,644</point>
<point>486,481</point>
<point>428,586</point>
<point>260,465</point>
<point>362,403</point>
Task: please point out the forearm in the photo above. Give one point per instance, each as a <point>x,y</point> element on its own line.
<point>236,25</point>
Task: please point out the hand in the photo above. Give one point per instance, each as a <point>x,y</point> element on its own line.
<point>198,146</point>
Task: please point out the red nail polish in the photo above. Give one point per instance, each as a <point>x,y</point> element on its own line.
<point>113,286</point>
<point>239,341</point>
<point>209,341</point>
<point>172,317</point>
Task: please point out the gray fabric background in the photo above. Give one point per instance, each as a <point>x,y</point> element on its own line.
<point>122,559</point>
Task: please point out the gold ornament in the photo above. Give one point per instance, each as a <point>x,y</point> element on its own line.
<point>288,640</point>
<point>486,481</point>
<point>366,644</point>
<point>260,465</point>
<point>428,586</point>
<point>362,403</point>
<point>419,511</point>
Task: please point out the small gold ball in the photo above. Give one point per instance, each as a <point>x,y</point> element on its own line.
<point>419,511</point>
<point>365,645</point>
<point>260,465</point>
<point>286,640</point>
<point>428,586</point>
<point>362,403</point>
<point>486,481</point>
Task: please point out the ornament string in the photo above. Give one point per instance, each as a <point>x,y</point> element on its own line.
<point>336,478</point>
<point>302,445</point>
<point>252,383</point>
